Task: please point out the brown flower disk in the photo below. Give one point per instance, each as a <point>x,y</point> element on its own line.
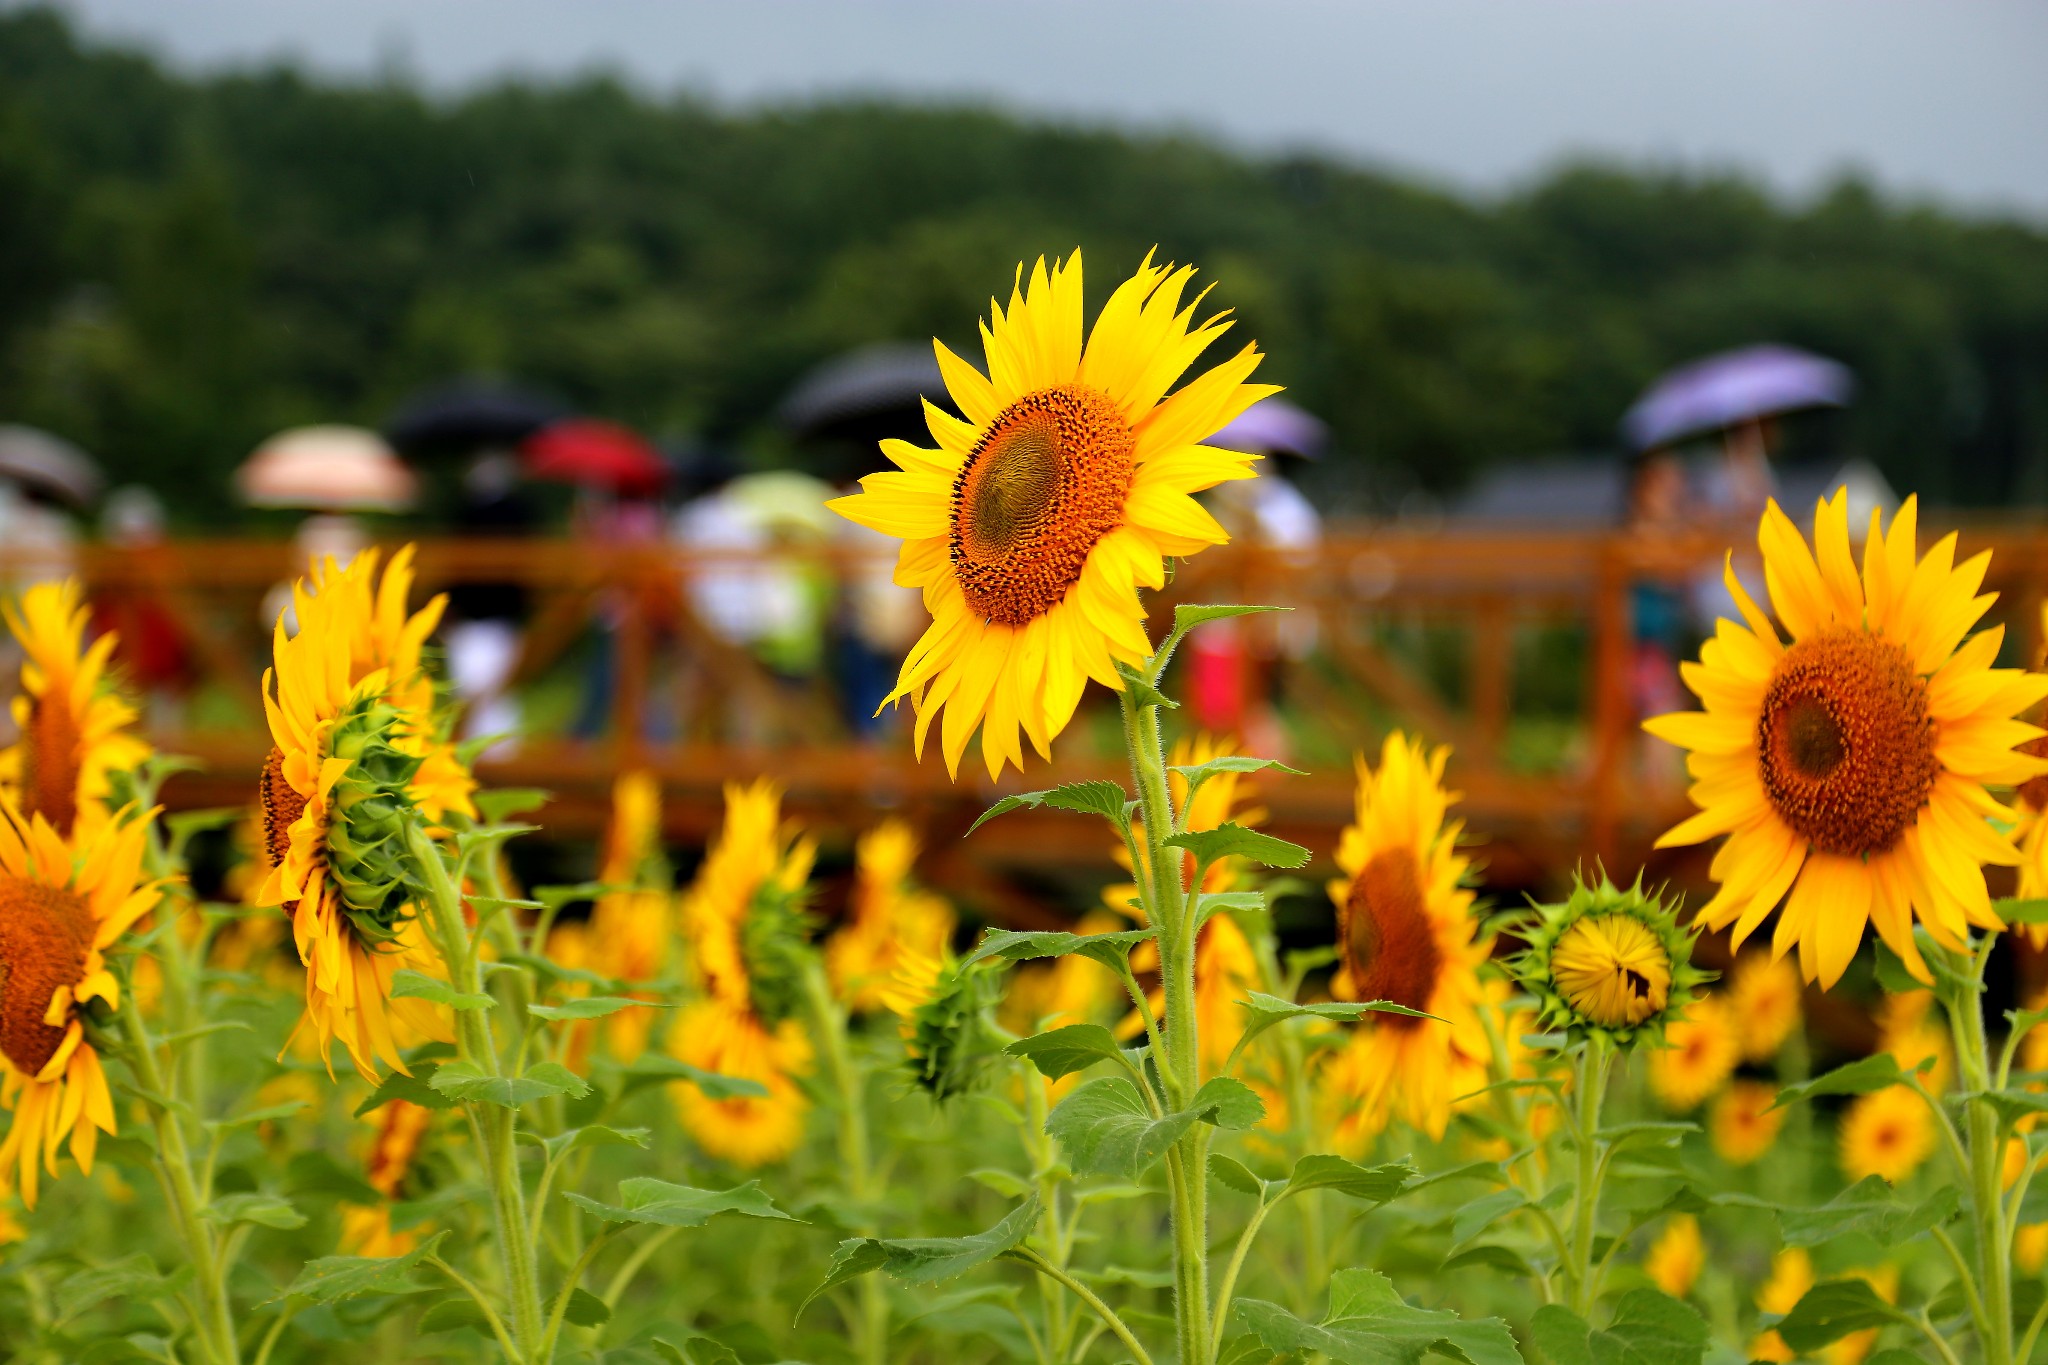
<point>45,934</point>
<point>282,806</point>
<point>1389,944</point>
<point>1845,743</point>
<point>49,762</point>
<point>1045,482</point>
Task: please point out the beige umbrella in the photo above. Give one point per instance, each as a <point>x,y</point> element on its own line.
<point>329,469</point>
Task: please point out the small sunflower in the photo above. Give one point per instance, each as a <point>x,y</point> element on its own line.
<point>1909,1029</point>
<point>1406,934</point>
<point>1677,1256</point>
<point>1849,767</point>
<point>1699,1053</point>
<point>74,725</point>
<point>342,780</point>
<point>1036,520</point>
<point>401,1127</point>
<point>1608,963</point>
<point>1764,1003</point>
<point>1743,1124</point>
<point>742,919</point>
<point>1887,1133</point>
<point>629,928</point>
<point>1791,1276</point>
<point>62,904</point>
<point>892,921</point>
<point>2030,1248</point>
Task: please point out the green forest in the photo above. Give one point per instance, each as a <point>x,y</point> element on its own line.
<point>191,262</point>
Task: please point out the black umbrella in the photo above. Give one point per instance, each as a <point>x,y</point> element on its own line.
<point>470,415</point>
<point>874,386</point>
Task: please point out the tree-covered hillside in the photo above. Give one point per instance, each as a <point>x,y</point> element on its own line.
<point>189,264</point>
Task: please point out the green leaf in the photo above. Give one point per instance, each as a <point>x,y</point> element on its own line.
<point>417,1089</point>
<point>419,986</point>
<point>925,1260</point>
<point>644,1199</point>
<point>1186,617</point>
<point>469,1082</point>
<point>1491,1256</point>
<point>593,1007</point>
<point>2012,1105</point>
<point>1477,1215</point>
<point>1105,1128</point>
<point>1373,1184</point>
<point>1268,1010</point>
<point>1100,797</point>
<point>1233,1174</point>
<point>265,1210</point>
<point>1868,1208</point>
<point>330,1279</point>
<point>654,1067</point>
<point>1859,1077</point>
<point>316,1173</point>
<point>1195,774</point>
<point>1624,1136</point>
<point>1244,1349</point>
<point>132,1278</point>
<point>586,1309</point>
<point>1832,1310</point>
<point>1370,1324</point>
<point>595,1135</point>
<point>1228,1103</point>
<point>696,1351</point>
<point>2015,911</point>
<point>550,970</point>
<point>1208,904</point>
<point>1008,1184</point>
<point>1141,688</point>
<point>1649,1328</point>
<point>502,803</point>
<point>452,1315</point>
<point>1063,1051</point>
<point>268,1114</point>
<point>1232,840</point>
<point>1111,950</point>
<point>556,897</point>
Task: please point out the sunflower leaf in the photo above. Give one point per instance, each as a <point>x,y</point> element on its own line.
<point>1621,1137</point>
<point>410,984</point>
<point>925,1260</point>
<point>1106,1128</point>
<point>1875,1072</point>
<point>1100,797</point>
<point>1373,1184</point>
<point>1867,1208</point>
<point>695,1350</point>
<point>1228,1103</point>
<point>644,1199</point>
<point>417,1089</point>
<point>133,1278</point>
<point>469,1082</point>
<point>1232,840</point>
<point>594,1007</point>
<point>1111,950</point>
<point>2015,911</point>
<point>330,1279</point>
<point>1063,1051</point>
<point>1233,1174</point>
<point>1211,903</point>
<point>502,803</point>
<point>1141,689</point>
<point>1649,1328</point>
<point>1189,615</point>
<point>264,1210</point>
<point>1369,1323</point>
<point>1832,1310</point>
<point>595,1135</point>
<point>653,1068</point>
<point>1268,1010</point>
<point>1196,774</point>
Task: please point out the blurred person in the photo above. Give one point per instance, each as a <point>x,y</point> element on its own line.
<point>322,536</point>
<point>1660,620</point>
<point>484,631</point>
<point>38,544</point>
<point>614,521</point>
<point>155,650</point>
<point>876,621</point>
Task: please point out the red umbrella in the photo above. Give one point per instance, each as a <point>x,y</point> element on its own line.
<point>595,454</point>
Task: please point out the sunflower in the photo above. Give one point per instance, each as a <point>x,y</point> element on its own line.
<point>73,724</point>
<point>892,922</point>
<point>1743,1122</point>
<point>1677,1256</point>
<point>1607,962</point>
<point>1406,934</point>
<point>741,918</point>
<point>628,933</point>
<point>1886,1133</point>
<point>401,1126</point>
<point>1848,767</point>
<point>343,779</point>
<point>1032,525</point>
<point>2029,833</point>
<point>1764,1004</point>
<point>1908,1028</point>
<point>1700,1053</point>
<point>1791,1276</point>
<point>2030,1248</point>
<point>62,904</point>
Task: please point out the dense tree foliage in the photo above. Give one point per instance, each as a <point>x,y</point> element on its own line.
<point>189,264</point>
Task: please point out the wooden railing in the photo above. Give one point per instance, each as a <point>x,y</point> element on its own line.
<point>1512,646</point>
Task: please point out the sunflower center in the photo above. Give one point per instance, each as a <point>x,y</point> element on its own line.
<point>1845,744</point>
<point>45,935</point>
<point>1389,943</point>
<point>282,806</point>
<point>2034,791</point>
<point>1043,484</point>
<point>1612,970</point>
<point>49,761</point>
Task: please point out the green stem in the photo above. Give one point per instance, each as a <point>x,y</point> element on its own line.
<point>483,1303</point>
<point>1085,1295</point>
<point>1227,1286</point>
<point>638,1258</point>
<point>495,1125</point>
<point>270,1338</point>
<point>1592,1082</point>
<point>828,1024</point>
<point>1964,1002</point>
<point>574,1278</point>
<point>216,1319</point>
<point>1058,1327</point>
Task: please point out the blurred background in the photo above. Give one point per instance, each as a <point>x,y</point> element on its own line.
<point>599,303</point>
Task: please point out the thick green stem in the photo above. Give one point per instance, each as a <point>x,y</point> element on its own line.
<point>1058,1324</point>
<point>494,1124</point>
<point>1086,1295</point>
<point>1986,1141</point>
<point>828,1025</point>
<point>1592,1083</point>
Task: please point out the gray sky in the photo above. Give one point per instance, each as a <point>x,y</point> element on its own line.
<point>1946,99</point>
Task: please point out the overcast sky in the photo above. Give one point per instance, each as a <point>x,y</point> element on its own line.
<point>1946,99</point>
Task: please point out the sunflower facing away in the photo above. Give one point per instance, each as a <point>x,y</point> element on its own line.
<point>1032,525</point>
<point>344,777</point>
<point>62,903</point>
<point>741,920</point>
<point>1848,764</point>
<point>1406,934</point>
<point>892,922</point>
<point>73,724</point>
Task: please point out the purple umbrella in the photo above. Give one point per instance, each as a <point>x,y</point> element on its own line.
<point>1273,426</point>
<point>1733,387</point>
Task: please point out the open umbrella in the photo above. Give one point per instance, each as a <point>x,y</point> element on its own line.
<point>1274,426</point>
<point>595,454</point>
<point>850,393</point>
<point>1733,387</point>
<point>328,469</point>
<point>470,415</point>
<point>49,465</point>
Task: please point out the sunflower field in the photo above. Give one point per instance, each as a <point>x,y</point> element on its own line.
<point>379,1101</point>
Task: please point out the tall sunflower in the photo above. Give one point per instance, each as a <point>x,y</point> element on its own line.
<point>74,725</point>
<point>62,904</point>
<point>344,776</point>
<point>1406,934</point>
<point>1848,765</point>
<point>630,926</point>
<point>1032,525</point>
<point>741,919</point>
<point>893,922</point>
